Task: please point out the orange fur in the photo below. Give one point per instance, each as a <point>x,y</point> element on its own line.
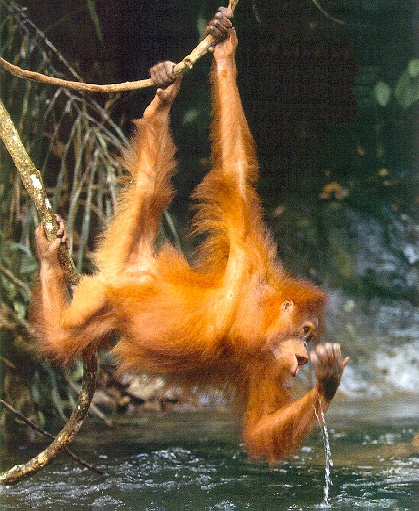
<point>234,320</point>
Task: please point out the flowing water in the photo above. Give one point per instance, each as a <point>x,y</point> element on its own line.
<point>193,461</point>
<point>321,419</point>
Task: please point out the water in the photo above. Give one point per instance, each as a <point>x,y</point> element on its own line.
<point>193,461</point>
<point>327,454</point>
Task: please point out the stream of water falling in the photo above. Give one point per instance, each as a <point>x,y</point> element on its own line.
<point>327,454</point>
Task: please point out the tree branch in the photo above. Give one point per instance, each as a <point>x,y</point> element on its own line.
<point>48,435</point>
<point>32,181</point>
<point>66,435</point>
<point>180,69</point>
<point>79,86</point>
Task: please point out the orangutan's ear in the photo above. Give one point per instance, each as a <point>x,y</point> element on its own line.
<point>287,305</point>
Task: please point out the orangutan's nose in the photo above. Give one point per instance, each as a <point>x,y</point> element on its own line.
<point>301,360</point>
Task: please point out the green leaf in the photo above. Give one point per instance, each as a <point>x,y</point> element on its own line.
<point>382,93</point>
<point>413,68</point>
<point>91,5</point>
<point>407,90</point>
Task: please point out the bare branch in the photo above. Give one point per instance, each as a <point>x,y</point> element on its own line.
<point>79,86</point>
<point>325,13</point>
<point>66,435</point>
<point>180,69</point>
<point>94,410</point>
<point>32,181</point>
<point>48,435</point>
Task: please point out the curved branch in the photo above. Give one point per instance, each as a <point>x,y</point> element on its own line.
<point>35,427</point>
<point>32,181</point>
<point>66,435</point>
<point>180,69</point>
<point>326,14</point>
<point>79,86</point>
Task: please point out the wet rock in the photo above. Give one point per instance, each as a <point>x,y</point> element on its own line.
<point>102,399</point>
<point>145,389</point>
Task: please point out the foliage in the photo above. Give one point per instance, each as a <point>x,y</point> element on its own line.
<point>72,139</point>
<point>91,6</point>
<point>405,91</point>
<point>74,142</point>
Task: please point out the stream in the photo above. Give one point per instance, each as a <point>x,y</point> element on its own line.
<point>194,461</point>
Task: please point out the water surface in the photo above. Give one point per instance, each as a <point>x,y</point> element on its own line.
<point>193,461</point>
